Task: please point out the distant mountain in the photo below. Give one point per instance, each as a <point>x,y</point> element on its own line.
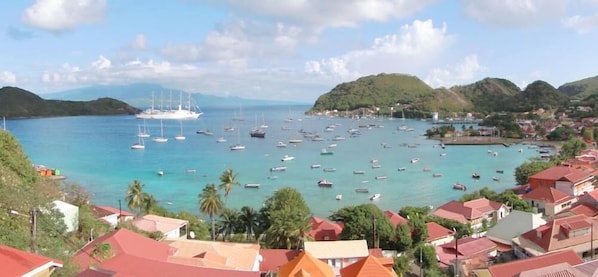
<point>489,94</point>
<point>16,102</point>
<point>140,95</point>
<point>581,89</point>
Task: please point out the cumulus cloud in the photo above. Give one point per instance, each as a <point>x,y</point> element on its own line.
<point>7,78</point>
<point>332,13</point>
<point>101,63</point>
<point>514,13</point>
<point>139,42</point>
<point>583,24</point>
<point>462,72</point>
<point>63,15</point>
<point>410,50</point>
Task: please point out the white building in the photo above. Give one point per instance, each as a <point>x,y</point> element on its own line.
<point>71,214</point>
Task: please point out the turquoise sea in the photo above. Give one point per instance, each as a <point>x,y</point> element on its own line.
<point>95,152</point>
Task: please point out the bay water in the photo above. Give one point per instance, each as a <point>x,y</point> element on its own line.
<point>94,152</point>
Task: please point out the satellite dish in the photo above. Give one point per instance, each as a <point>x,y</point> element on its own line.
<point>192,234</point>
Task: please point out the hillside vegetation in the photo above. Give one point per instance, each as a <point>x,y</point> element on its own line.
<point>16,102</point>
<point>581,89</point>
<point>416,99</point>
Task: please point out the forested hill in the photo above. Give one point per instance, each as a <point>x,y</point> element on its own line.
<point>415,98</point>
<point>18,103</point>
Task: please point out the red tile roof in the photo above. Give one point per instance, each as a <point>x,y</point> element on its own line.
<point>462,212</point>
<point>512,269</point>
<point>322,229</point>
<point>127,242</point>
<point>368,266</point>
<point>104,211</point>
<point>272,259</point>
<point>469,247</point>
<point>129,265</point>
<point>553,235</point>
<point>548,194</point>
<point>436,231</point>
<point>583,208</point>
<point>395,218</point>
<point>306,265</point>
<point>17,262</point>
<point>557,173</point>
<point>592,194</point>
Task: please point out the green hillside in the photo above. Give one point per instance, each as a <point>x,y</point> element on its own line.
<point>581,89</point>
<point>489,94</point>
<point>539,94</point>
<point>16,102</point>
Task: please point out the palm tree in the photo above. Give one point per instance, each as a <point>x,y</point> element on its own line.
<point>249,218</point>
<point>135,196</point>
<point>210,204</point>
<point>229,219</point>
<point>228,179</point>
<point>149,202</point>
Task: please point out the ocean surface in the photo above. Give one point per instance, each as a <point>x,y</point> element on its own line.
<point>94,151</point>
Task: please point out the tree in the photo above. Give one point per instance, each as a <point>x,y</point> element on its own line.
<point>527,169</point>
<point>211,204</point>
<point>285,218</point>
<point>572,148</point>
<point>401,265</point>
<point>197,228</point>
<point>248,217</point>
<point>228,179</point>
<point>419,230</point>
<point>409,211</point>
<point>367,222</point>
<point>229,219</point>
<point>136,197</point>
<point>428,256</point>
<point>403,237</point>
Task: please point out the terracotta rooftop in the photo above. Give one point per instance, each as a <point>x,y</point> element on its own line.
<point>548,194</point>
<point>462,212</point>
<point>469,247</point>
<point>306,265</point>
<point>553,235</point>
<point>153,223</point>
<point>558,270</point>
<point>17,262</point>
<point>395,218</point>
<point>215,254</point>
<point>272,259</point>
<point>368,266</point>
<point>322,229</point>
<point>579,208</point>
<point>437,231</point>
<point>592,194</point>
<point>512,269</point>
<point>564,173</point>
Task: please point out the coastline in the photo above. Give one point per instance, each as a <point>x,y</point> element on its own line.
<point>494,141</point>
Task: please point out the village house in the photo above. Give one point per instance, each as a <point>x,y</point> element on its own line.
<point>468,253</point>
<point>70,214</point>
<point>566,233</point>
<point>438,235</point>
<point>337,254</point>
<point>513,225</point>
<point>323,230</point>
<point>171,228</point>
<point>548,200</point>
<point>306,265</point>
<point>569,180</point>
<point>528,267</point>
<point>395,218</point>
<point>476,212</point>
<point>111,215</point>
<point>17,262</point>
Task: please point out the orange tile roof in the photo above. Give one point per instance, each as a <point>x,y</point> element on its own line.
<point>512,269</point>
<point>552,237</point>
<point>395,218</point>
<point>124,241</point>
<point>437,231</point>
<point>556,173</point>
<point>304,264</point>
<point>322,229</point>
<point>216,254</point>
<point>548,194</point>
<point>17,262</point>
<point>368,266</point>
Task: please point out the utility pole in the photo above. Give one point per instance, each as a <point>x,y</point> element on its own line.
<point>456,253</point>
<point>33,230</point>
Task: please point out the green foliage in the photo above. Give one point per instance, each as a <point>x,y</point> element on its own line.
<point>16,102</point>
<point>401,265</point>
<point>539,94</point>
<point>581,89</point>
<point>507,197</point>
<point>428,256</point>
<point>462,229</point>
<point>196,225</point>
<point>403,237</point>
<point>561,133</point>
<point>489,94</point>
<point>285,219</point>
<point>228,179</point>
<point>572,148</point>
<point>419,230</point>
<point>505,125</point>
<point>410,211</point>
<point>529,168</point>
<point>361,221</point>
<point>211,204</point>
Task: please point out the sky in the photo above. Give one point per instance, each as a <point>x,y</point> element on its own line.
<point>292,50</point>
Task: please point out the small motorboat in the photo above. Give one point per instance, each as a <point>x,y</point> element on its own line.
<point>495,179</point>
<point>375,196</point>
<point>324,183</point>
<point>287,158</point>
<point>401,168</point>
<point>475,175</point>
<point>281,144</point>
<point>381,177</point>
<point>414,160</point>
<point>315,166</point>
<point>278,168</point>
<point>160,172</point>
<point>436,175</point>
<point>252,186</point>
<point>458,186</point>
<point>330,169</point>
<point>339,196</point>
<point>362,190</point>
<point>500,171</point>
<point>358,172</point>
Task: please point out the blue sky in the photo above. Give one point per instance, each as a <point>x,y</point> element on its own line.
<point>292,49</point>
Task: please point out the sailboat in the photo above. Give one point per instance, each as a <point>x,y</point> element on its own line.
<point>180,136</point>
<point>264,125</point>
<point>403,114</point>
<point>240,116</point>
<point>138,146</point>
<point>179,113</point>
<point>161,138</point>
<point>143,133</point>
<point>238,146</point>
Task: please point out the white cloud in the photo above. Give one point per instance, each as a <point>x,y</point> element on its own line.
<point>139,42</point>
<point>101,63</point>
<point>332,13</point>
<point>583,24</point>
<point>462,72</point>
<point>7,78</point>
<point>514,13</point>
<point>63,15</point>
<point>410,50</point>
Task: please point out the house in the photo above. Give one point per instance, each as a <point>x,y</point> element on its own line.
<point>111,215</point>
<point>171,228</point>
<point>548,200</point>
<point>337,254</point>
<point>587,159</point>
<point>468,252</point>
<point>273,259</point>
<point>477,212</point>
<point>368,266</point>
<point>579,208</point>
<point>17,262</point>
<point>569,180</point>
<point>306,265</point>
<point>515,224</point>
<point>438,235</point>
<point>526,267</point>
<point>395,219</point>
<point>70,213</point>
<point>590,198</point>
<point>573,232</point>
<point>322,229</point>
<point>216,254</point>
